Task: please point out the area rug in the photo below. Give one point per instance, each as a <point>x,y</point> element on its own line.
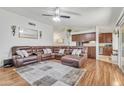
<point>48,73</point>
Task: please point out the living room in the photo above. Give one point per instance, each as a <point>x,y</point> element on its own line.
<point>64,50</point>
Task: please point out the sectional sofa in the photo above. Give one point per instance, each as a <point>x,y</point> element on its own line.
<point>36,54</point>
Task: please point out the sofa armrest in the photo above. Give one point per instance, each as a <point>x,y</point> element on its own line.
<point>15,59</point>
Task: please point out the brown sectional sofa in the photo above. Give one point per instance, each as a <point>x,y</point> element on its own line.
<point>36,53</point>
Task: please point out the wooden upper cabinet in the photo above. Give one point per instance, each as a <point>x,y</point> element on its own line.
<point>101,38</point>
<point>89,37</point>
<point>84,37</point>
<point>109,37</point>
<point>75,37</point>
<point>105,38</point>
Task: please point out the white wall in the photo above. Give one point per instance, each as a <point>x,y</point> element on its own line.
<point>7,19</point>
<point>115,41</point>
<point>60,35</point>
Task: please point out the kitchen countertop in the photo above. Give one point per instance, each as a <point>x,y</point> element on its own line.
<point>94,44</point>
<point>89,44</point>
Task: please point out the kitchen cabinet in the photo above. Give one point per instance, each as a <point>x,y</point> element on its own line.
<point>101,38</point>
<point>107,51</point>
<point>92,52</point>
<point>75,37</point>
<point>84,37</point>
<point>108,38</point>
<point>105,38</point>
<point>90,37</point>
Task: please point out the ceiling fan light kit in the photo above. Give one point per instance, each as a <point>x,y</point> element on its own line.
<point>56,16</point>
<point>56,19</point>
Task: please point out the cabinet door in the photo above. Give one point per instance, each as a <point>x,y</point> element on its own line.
<point>92,52</point>
<point>93,36</point>
<point>102,38</point>
<point>75,37</point>
<point>105,38</point>
<point>82,37</point>
<point>110,51</point>
<point>107,51</point>
<point>89,37</point>
<point>108,38</point>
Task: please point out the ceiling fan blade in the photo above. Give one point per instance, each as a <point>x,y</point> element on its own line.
<point>63,16</point>
<point>47,15</point>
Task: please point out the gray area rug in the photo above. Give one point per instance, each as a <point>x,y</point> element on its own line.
<point>48,73</point>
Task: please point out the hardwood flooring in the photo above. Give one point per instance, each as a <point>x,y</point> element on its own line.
<point>98,73</point>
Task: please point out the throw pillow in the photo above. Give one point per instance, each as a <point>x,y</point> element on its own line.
<point>78,52</point>
<point>25,53</point>
<point>19,52</point>
<point>61,51</point>
<point>49,51</point>
<point>45,51</point>
<point>74,52</point>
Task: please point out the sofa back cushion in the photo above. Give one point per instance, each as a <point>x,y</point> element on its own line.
<point>19,52</point>
<point>26,48</point>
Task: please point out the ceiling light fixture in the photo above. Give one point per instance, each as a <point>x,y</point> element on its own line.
<point>56,19</point>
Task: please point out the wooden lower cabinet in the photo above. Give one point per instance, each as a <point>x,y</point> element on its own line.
<point>92,52</point>
<point>107,51</point>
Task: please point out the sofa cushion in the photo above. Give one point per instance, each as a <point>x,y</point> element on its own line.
<point>19,53</point>
<point>46,55</point>
<point>25,53</point>
<point>30,58</point>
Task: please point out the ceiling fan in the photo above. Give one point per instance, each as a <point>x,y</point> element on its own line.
<point>56,16</point>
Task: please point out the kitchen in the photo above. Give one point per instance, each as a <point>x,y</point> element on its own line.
<point>89,40</point>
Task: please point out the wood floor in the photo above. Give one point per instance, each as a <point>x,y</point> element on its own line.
<point>98,73</point>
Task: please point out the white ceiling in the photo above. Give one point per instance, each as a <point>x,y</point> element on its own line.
<point>81,17</point>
